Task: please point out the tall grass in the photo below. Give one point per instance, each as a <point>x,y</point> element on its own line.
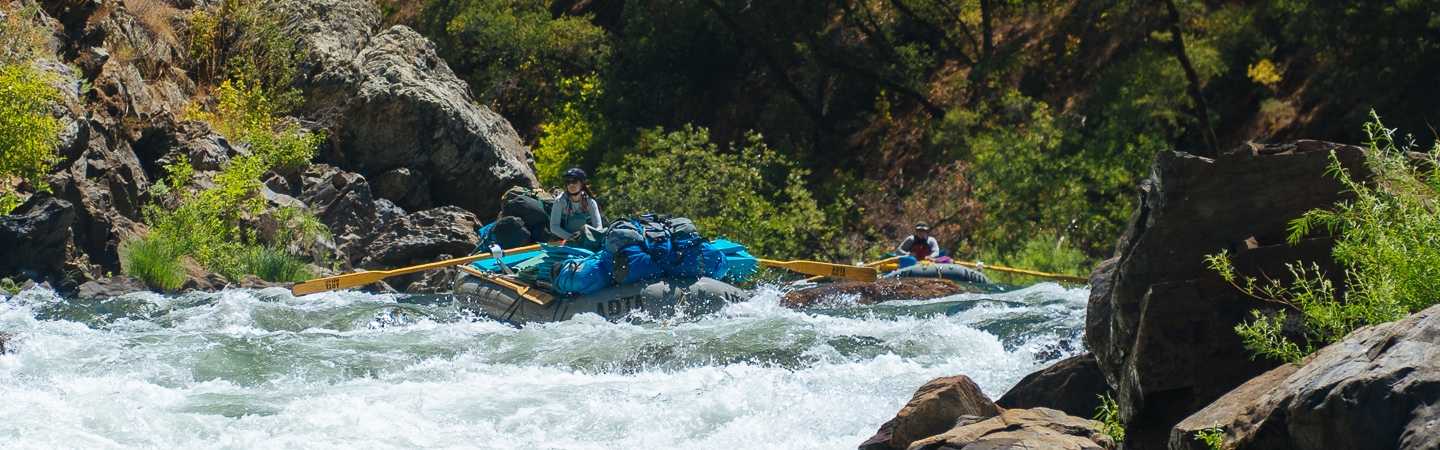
<point>154,260</point>
<point>271,264</point>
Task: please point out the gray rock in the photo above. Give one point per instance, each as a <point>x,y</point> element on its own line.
<point>1072,386</point>
<point>400,106</point>
<point>409,189</point>
<point>110,287</point>
<point>1160,300</point>
<point>1377,389</point>
<point>1020,429</point>
<point>422,236</point>
<point>343,203</point>
<point>935,408</point>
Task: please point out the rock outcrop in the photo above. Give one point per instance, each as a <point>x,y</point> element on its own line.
<point>1022,429</point>
<point>1379,388</point>
<point>38,239</point>
<point>1160,322</point>
<point>934,409</point>
<point>1072,386</point>
<point>397,105</point>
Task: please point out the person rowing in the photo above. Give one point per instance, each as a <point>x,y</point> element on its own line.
<point>920,245</point>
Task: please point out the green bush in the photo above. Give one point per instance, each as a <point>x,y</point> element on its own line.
<point>154,259</point>
<point>1041,254</point>
<point>750,195</point>
<point>1389,244</point>
<point>1108,414</point>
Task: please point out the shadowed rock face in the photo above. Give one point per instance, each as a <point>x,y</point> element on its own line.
<point>1072,386</point>
<point>1377,389</point>
<point>1160,323</point>
<point>39,230</point>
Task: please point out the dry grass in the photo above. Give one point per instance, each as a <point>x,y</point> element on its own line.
<point>157,17</point>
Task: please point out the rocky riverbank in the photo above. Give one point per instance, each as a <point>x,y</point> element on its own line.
<point>410,164</point>
<point>1161,330</point>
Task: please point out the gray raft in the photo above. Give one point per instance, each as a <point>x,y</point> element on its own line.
<point>659,298</point>
<point>949,271</point>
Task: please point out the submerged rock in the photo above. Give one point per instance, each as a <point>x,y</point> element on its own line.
<point>862,293</point>
<point>935,408</point>
<point>1377,389</point>
<point>110,287</point>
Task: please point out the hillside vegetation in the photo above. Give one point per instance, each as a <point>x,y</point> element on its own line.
<point>1008,125</point>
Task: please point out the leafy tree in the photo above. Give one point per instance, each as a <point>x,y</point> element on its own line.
<point>28,133</point>
<point>750,195</point>
<point>515,54</point>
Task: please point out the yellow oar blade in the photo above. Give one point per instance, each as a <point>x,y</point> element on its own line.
<point>363,278</point>
<point>841,271</point>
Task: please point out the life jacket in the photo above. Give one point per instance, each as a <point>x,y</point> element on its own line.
<point>920,248</point>
<point>575,216</point>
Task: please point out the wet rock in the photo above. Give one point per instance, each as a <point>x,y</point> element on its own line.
<point>398,105</point>
<point>1020,428</point>
<point>110,287</point>
<point>934,409</point>
<point>1378,388</point>
<point>438,281</point>
<point>1072,386</point>
<point>881,290</point>
<point>254,282</point>
<point>4,339</point>
<point>1159,299</point>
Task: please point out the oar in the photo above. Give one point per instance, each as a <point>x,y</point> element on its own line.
<point>364,278</point>
<point>525,291</point>
<point>1072,279</point>
<point>869,264</point>
<point>848,272</point>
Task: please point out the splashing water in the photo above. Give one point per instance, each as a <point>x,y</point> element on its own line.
<point>247,369</point>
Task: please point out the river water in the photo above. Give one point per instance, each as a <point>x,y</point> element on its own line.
<point>264,369</point>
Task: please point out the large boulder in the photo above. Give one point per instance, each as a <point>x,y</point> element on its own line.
<point>1158,299</point>
<point>1377,389</point>
<point>36,239</point>
<point>1021,429</point>
<point>342,202</point>
<point>934,409</point>
<point>110,287</point>
<point>1073,386</point>
<point>396,104</point>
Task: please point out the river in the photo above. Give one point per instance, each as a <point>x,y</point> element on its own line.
<point>264,369</point>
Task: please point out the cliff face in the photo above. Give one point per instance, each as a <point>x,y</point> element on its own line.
<point>392,110</point>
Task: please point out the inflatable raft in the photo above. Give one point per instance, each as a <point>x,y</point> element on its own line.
<point>948,271</point>
<point>659,298</point>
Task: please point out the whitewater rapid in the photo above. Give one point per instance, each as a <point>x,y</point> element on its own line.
<point>264,369</point>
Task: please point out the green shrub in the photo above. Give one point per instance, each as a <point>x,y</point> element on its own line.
<point>208,225</point>
<point>1389,244</point>
<point>750,195</point>
<point>1041,254</point>
<point>1213,437</point>
<point>154,259</point>
<point>28,133</point>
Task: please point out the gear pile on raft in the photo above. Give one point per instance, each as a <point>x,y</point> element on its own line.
<point>649,265</point>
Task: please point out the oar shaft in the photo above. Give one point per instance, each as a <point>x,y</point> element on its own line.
<point>363,278</point>
<point>1070,278</point>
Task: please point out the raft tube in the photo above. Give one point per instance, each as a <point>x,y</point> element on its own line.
<point>658,298</point>
<point>949,271</point>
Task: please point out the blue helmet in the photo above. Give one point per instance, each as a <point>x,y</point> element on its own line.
<point>575,173</point>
